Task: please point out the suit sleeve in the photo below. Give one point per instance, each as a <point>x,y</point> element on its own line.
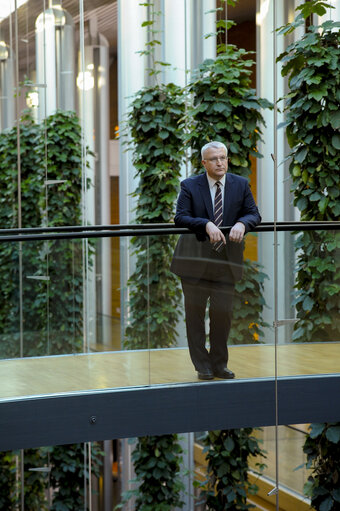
<point>185,214</point>
<point>249,214</point>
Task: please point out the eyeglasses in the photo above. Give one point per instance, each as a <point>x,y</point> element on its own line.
<point>215,160</point>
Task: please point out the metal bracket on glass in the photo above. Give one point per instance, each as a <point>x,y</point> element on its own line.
<point>40,469</point>
<point>282,322</point>
<point>38,277</point>
<point>54,181</point>
<point>274,491</point>
<point>43,85</point>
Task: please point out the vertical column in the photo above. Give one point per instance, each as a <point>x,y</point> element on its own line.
<point>92,82</point>
<point>202,23</point>
<point>266,67</point>
<point>131,78</point>
<point>55,61</point>
<point>174,41</point>
<point>7,70</point>
<point>131,73</point>
<point>131,67</point>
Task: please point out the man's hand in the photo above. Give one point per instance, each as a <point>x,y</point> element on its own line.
<point>214,233</point>
<point>237,232</point>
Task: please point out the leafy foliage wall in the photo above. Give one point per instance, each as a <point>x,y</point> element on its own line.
<point>52,308</point>
<point>157,143</point>
<point>227,454</point>
<point>313,122</point>
<point>226,108</point>
<point>155,297</point>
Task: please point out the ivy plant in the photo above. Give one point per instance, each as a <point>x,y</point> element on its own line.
<point>248,306</point>
<point>156,462</point>
<point>31,187</point>
<point>312,127</point>
<point>157,156</point>
<point>322,447</point>
<point>227,484</point>
<point>154,294</point>
<point>7,480</point>
<point>69,473</point>
<point>225,108</point>
<point>312,66</point>
<point>54,146</point>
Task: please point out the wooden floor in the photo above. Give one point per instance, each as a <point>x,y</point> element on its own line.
<point>95,371</point>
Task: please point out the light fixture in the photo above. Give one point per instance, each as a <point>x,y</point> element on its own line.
<point>85,81</point>
<point>32,99</point>
<point>260,16</point>
<point>3,50</point>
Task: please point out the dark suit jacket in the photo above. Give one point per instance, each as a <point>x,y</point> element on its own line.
<point>194,253</point>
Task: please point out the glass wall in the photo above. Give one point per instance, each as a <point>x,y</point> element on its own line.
<point>72,154</point>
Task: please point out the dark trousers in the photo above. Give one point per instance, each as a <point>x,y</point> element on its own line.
<point>219,289</point>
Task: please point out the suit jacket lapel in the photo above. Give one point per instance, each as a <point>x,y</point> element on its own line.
<point>206,196</point>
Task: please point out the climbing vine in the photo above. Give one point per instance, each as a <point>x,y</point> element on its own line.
<point>52,306</point>
<point>312,124</point>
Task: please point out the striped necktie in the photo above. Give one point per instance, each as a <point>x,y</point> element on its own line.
<point>218,214</point>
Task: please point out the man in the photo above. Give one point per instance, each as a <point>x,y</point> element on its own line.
<point>209,263</point>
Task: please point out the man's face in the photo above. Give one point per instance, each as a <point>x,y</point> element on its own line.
<point>215,162</point>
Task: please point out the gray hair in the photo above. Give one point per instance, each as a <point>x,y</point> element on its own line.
<point>216,145</point>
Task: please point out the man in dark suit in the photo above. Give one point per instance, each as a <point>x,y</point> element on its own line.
<point>207,262</point>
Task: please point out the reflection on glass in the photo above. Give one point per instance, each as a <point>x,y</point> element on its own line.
<point>62,315</point>
<point>293,473</point>
<point>9,301</point>
<point>308,293</point>
<point>55,73</point>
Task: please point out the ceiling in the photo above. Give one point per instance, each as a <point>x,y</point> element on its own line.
<point>103,11</point>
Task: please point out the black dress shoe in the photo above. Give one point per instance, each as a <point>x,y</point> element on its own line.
<point>224,373</point>
<point>207,375</point>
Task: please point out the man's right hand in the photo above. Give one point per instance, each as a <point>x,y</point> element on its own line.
<point>214,233</point>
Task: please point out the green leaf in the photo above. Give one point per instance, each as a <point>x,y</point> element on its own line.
<point>335,119</point>
<point>229,444</point>
<point>336,141</point>
<point>322,205</point>
<point>302,203</point>
<point>318,94</point>
<point>316,430</point>
<point>336,494</point>
<point>315,196</point>
<point>163,134</point>
<point>219,107</point>
<point>333,434</point>
<point>301,154</point>
<point>326,505</point>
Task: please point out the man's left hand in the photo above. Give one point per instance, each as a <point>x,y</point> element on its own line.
<point>237,232</point>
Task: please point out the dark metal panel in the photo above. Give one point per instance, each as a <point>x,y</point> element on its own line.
<point>309,399</point>
<point>158,410</point>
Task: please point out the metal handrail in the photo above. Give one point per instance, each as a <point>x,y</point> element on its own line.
<point>124,230</point>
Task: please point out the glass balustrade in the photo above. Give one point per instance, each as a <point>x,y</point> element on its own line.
<point>62,331</point>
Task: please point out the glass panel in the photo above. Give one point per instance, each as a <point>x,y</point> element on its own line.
<point>309,331</point>
<point>40,478</point>
<point>10,340</point>
<point>245,300</point>
<point>136,335</point>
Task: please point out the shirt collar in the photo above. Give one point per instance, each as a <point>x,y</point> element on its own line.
<point>213,181</point>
